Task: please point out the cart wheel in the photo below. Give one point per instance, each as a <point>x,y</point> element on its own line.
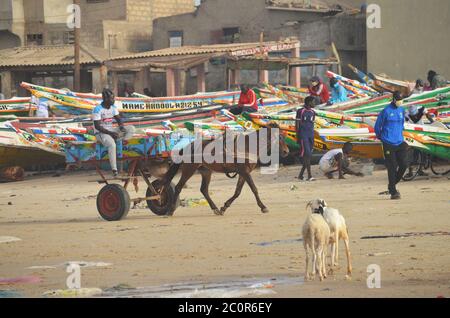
<point>113,202</point>
<point>415,162</point>
<point>166,206</point>
<point>440,167</point>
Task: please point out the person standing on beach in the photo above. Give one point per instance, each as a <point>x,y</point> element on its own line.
<point>304,124</point>
<point>103,116</point>
<point>389,129</point>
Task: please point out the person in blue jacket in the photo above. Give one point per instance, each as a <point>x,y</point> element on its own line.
<point>389,129</point>
<point>338,92</point>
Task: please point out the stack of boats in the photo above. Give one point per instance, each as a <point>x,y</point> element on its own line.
<point>30,142</point>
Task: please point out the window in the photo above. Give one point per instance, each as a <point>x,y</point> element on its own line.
<point>69,37</point>
<point>175,38</point>
<point>34,39</point>
<point>231,35</point>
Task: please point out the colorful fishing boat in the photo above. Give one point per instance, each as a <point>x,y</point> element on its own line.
<point>16,106</point>
<point>82,104</point>
<point>18,148</point>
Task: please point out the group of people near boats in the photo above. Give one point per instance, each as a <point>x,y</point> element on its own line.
<point>388,128</point>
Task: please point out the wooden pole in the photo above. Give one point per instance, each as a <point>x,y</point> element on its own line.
<point>336,54</point>
<point>77,71</point>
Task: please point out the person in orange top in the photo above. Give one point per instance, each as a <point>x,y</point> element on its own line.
<point>319,90</point>
<point>247,102</point>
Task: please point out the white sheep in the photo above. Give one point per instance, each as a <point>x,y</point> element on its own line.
<point>316,234</point>
<point>338,229</point>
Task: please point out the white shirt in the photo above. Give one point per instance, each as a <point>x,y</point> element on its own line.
<point>106,116</point>
<point>41,107</point>
<point>329,159</point>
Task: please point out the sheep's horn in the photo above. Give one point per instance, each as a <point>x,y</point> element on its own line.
<point>309,205</point>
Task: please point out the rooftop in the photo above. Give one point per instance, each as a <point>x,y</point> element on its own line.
<point>52,55</point>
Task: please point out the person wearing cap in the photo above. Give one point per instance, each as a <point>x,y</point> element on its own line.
<point>389,129</point>
<point>103,116</point>
<point>319,90</point>
<point>419,88</point>
<point>247,102</point>
<point>436,81</point>
<point>338,92</point>
<point>414,115</point>
<point>304,124</point>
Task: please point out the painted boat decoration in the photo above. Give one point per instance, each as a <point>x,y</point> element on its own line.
<point>19,148</point>
<point>83,104</point>
<point>16,106</point>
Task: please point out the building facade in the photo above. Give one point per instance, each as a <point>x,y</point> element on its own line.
<point>316,25</point>
<point>412,38</point>
<point>119,24</point>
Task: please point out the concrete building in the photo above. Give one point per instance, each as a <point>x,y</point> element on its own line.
<point>412,39</point>
<point>34,22</point>
<point>126,24</point>
<point>316,25</point>
<point>121,24</point>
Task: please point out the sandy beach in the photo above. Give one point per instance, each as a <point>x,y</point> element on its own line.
<point>57,221</point>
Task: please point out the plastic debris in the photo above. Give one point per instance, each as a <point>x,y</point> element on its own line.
<point>228,289</point>
<point>379,254</point>
<point>10,294</point>
<point>20,280</point>
<point>291,241</point>
<point>82,292</point>
<point>8,239</point>
<point>293,187</point>
<point>79,263</point>
<point>192,203</point>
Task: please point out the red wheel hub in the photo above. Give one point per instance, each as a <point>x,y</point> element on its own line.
<point>109,202</point>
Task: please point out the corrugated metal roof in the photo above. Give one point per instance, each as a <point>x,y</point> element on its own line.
<point>51,55</point>
<point>195,50</point>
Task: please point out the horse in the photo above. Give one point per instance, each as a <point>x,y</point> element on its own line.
<point>236,167</point>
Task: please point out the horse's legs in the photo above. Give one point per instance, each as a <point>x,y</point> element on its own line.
<point>187,171</point>
<point>249,180</point>
<point>206,179</point>
<point>239,186</point>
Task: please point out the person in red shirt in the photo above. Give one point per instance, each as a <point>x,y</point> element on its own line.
<point>247,102</point>
<point>319,90</point>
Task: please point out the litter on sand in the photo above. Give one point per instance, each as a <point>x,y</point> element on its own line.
<point>437,233</point>
<point>82,292</point>
<point>379,254</point>
<point>10,294</point>
<point>230,289</point>
<point>291,241</point>
<point>8,239</point>
<point>192,203</point>
<point>79,263</point>
<point>20,280</point>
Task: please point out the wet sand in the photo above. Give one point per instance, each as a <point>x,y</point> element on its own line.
<point>57,221</point>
